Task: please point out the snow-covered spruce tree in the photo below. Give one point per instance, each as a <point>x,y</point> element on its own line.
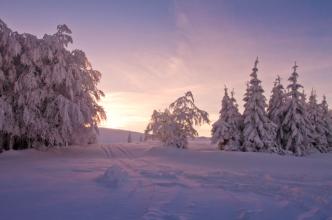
<point>237,115</point>
<point>276,109</point>
<point>327,122</point>
<point>48,94</point>
<point>258,131</point>
<point>298,133</point>
<point>315,114</point>
<point>176,124</point>
<point>226,130</point>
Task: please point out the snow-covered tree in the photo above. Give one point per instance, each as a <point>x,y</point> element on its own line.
<point>258,131</point>
<point>237,115</point>
<point>163,126</point>
<point>48,94</point>
<point>226,130</point>
<point>9,50</point>
<point>188,115</point>
<point>276,109</point>
<point>176,124</point>
<point>298,133</point>
<point>316,117</point>
<point>327,122</point>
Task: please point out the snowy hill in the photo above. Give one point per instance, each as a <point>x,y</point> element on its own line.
<point>110,135</point>
<point>147,181</point>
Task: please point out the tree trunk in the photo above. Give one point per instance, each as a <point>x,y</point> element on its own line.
<point>11,142</point>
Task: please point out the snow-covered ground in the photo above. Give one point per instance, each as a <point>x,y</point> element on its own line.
<point>147,181</point>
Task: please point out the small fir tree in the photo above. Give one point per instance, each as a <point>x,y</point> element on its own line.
<point>226,130</point>
<point>315,115</point>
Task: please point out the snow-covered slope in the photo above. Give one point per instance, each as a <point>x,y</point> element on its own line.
<point>147,181</point>
<point>110,135</point>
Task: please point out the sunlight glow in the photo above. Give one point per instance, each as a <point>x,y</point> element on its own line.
<point>123,114</point>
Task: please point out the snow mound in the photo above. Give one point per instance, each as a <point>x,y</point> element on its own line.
<point>115,176</point>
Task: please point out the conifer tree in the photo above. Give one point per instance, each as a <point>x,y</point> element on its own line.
<point>259,131</point>
<point>298,133</point>
<point>315,115</point>
<point>275,110</point>
<point>327,122</point>
<point>236,114</point>
<point>226,130</point>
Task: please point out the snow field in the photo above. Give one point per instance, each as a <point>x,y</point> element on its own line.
<point>147,181</point>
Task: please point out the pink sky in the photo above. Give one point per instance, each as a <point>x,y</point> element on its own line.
<point>151,52</point>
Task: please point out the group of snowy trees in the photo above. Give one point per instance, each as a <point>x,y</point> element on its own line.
<point>288,124</point>
<point>48,94</point>
<point>175,124</point>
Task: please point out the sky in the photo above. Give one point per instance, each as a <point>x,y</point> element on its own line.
<point>152,51</point>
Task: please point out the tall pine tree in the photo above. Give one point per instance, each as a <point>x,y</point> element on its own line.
<point>296,126</point>
<point>258,132</point>
<point>275,110</point>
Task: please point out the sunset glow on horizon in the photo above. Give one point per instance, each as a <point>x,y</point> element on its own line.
<point>152,54</point>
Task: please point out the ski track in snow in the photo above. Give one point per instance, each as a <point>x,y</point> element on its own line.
<point>149,183</point>
<point>284,190</point>
<point>158,200</point>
